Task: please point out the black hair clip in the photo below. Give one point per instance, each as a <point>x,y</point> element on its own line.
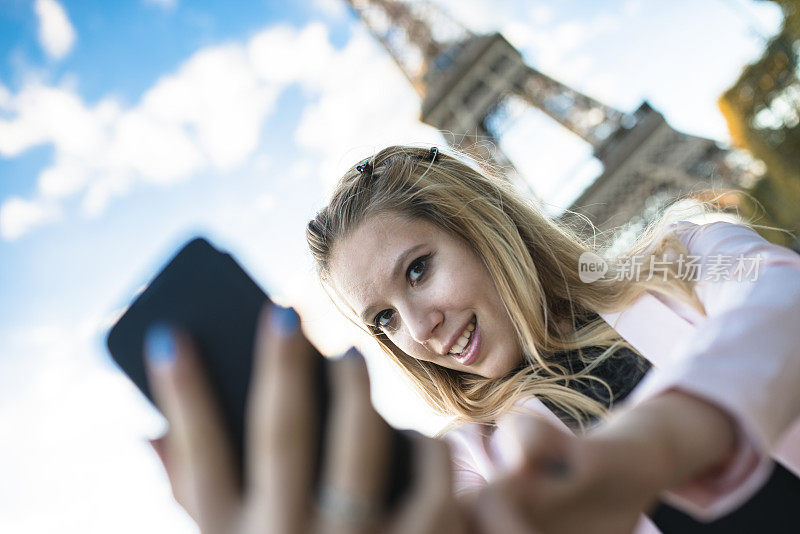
<point>433,153</point>
<point>364,168</point>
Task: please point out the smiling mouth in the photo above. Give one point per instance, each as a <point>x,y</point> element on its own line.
<point>463,349</point>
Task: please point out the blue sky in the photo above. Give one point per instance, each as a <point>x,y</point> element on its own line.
<point>127,127</point>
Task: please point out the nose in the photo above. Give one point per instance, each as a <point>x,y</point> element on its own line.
<point>422,322</point>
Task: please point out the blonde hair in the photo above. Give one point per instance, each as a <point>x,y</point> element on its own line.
<point>532,260</point>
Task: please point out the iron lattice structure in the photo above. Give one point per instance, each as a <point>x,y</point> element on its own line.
<point>468,82</point>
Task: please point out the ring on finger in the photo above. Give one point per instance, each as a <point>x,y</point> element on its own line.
<point>346,508</point>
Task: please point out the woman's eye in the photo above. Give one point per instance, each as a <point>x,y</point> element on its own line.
<point>417,269</point>
<point>383,319</point>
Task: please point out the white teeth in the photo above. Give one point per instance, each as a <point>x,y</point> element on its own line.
<point>463,341</point>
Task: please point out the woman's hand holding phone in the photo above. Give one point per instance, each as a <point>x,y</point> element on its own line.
<point>278,493</point>
<point>603,482</point>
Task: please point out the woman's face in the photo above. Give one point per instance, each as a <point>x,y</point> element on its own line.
<point>429,292</point>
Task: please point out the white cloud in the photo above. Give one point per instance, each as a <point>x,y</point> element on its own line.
<point>632,8</point>
<point>347,122</point>
<point>52,115</point>
<point>157,150</point>
<point>541,14</point>
<point>63,179</point>
<point>552,47</point>
<point>75,428</point>
<point>265,202</point>
<point>283,55</point>
<point>56,34</point>
<point>217,95</point>
<point>207,114</point>
<point>18,216</point>
<point>331,8</point>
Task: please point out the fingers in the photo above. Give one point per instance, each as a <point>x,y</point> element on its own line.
<point>535,446</point>
<point>431,506</point>
<point>500,507</point>
<point>541,467</point>
<point>357,452</point>
<point>537,459</point>
<point>177,483</point>
<point>201,466</point>
<point>281,413</point>
<point>159,447</point>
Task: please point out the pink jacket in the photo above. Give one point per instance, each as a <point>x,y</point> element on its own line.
<point>744,357</point>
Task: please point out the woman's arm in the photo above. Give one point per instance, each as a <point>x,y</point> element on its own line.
<point>680,435</point>
<point>696,433</point>
<point>558,483</point>
<point>744,359</point>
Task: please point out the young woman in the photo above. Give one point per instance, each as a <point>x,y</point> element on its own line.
<point>479,298</point>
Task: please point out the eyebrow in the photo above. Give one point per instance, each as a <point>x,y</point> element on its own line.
<point>398,267</point>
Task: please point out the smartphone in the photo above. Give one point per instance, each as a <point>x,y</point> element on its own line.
<point>205,292</point>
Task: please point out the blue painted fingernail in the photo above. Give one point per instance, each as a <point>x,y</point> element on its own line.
<point>284,320</point>
<point>160,345</point>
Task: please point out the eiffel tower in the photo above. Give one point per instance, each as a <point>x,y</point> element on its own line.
<point>468,82</point>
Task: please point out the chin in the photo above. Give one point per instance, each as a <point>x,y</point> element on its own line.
<point>494,373</point>
<point>500,371</point>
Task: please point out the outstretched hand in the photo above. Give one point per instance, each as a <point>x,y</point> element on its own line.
<point>277,495</point>
<point>602,482</point>
<point>559,483</point>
